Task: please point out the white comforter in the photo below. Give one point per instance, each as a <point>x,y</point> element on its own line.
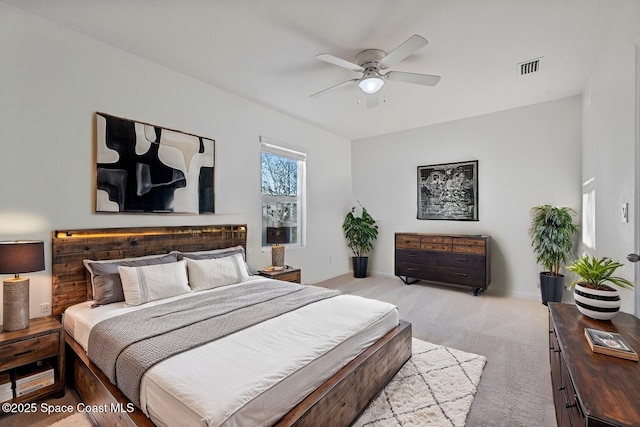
<point>255,376</point>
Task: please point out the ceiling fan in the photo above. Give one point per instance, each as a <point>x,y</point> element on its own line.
<point>370,62</point>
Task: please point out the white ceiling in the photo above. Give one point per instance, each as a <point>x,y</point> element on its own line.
<point>264,50</point>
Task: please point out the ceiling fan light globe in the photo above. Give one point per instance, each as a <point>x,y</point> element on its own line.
<point>371,84</point>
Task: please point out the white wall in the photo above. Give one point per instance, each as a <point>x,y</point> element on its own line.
<point>609,162</point>
<point>527,156</point>
<point>52,81</point>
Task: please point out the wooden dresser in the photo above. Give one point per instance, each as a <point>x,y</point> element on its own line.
<point>451,259</point>
<point>592,389</point>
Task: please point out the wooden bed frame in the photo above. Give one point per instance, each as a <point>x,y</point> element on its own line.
<point>337,402</point>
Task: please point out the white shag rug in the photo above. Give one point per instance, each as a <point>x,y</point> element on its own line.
<point>434,388</point>
<point>79,419</point>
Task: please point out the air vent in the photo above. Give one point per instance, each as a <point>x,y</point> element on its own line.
<point>529,67</point>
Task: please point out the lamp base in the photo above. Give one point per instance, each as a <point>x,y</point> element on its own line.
<point>15,304</point>
<point>277,256</point>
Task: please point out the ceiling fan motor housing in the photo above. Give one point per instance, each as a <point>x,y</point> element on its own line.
<point>370,58</point>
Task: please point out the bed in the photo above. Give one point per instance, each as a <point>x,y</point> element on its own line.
<point>344,367</point>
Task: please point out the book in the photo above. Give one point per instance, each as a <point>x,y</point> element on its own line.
<point>6,396</point>
<point>272,270</point>
<point>33,377</point>
<point>35,381</point>
<point>5,383</point>
<point>48,373</point>
<point>609,343</point>
<point>35,386</point>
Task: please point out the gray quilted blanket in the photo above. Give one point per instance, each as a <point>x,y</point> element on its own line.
<point>126,346</point>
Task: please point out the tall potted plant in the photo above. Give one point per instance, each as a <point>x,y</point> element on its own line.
<point>360,232</point>
<point>552,231</point>
<point>592,293</point>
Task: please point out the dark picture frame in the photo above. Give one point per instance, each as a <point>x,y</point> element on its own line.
<point>448,191</point>
<point>144,168</point>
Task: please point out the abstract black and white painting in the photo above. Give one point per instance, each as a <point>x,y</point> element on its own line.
<point>142,168</point>
<point>448,191</point>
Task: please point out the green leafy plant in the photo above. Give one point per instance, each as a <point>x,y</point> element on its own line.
<point>594,273</point>
<point>552,231</point>
<point>360,231</point>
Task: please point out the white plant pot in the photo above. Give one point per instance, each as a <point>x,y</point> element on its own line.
<point>597,304</point>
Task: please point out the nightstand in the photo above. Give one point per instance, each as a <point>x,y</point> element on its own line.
<point>20,351</point>
<point>289,274</point>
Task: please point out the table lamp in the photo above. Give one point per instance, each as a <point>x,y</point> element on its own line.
<point>17,257</point>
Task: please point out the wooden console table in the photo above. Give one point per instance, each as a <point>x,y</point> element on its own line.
<point>450,259</point>
<point>592,389</point>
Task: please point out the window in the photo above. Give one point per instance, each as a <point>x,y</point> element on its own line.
<point>282,187</point>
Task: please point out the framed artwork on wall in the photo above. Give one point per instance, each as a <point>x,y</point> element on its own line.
<point>448,191</point>
<point>143,168</point>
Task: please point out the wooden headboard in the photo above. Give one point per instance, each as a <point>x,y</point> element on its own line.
<point>71,247</point>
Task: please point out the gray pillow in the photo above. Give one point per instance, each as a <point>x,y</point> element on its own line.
<point>212,254</point>
<point>105,279</point>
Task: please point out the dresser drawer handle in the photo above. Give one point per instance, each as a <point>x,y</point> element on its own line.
<point>412,255</point>
<point>460,274</point>
<point>413,269</point>
<point>24,352</point>
<point>461,259</point>
<point>567,405</point>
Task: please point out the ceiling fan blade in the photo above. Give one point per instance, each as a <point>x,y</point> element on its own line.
<point>339,62</point>
<point>410,45</point>
<point>372,99</point>
<point>415,78</point>
<point>339,85</point>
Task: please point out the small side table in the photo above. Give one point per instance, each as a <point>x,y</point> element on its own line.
<point>289,274</point>
<point>42,340</point>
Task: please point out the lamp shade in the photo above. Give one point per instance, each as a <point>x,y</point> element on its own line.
<point>371,84</point>
<point>22,256</point>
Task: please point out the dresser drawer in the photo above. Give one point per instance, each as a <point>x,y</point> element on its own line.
<point>415,257</point>
<point>416,271</point>
<point>462,261</point>
<point>469,245</point>
<point>293,276</point>
<point>570,403</point>
<point>460,277</point>
<point>436,243</point>
<point>29,350</point>
<point>440,274</point>
<point>407,241</point>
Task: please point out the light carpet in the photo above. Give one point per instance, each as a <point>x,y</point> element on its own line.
<point>434,388</point>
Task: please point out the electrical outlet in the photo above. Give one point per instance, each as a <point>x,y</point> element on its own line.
<point>45,307</point>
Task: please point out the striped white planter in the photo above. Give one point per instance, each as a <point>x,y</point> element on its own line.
<point>597,304</point>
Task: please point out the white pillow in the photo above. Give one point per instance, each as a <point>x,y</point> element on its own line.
<point>214,272</point>
<point>153,282</point>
